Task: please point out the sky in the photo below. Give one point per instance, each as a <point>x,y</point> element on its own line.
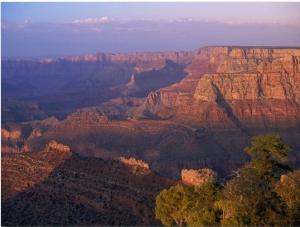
<point>56,29</point>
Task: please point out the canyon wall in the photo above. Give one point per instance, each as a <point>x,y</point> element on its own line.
<point>187,110</point>
<point>61,86</point>
<point>253,74</point>
<point>252,84</point>
<point>206,60</point>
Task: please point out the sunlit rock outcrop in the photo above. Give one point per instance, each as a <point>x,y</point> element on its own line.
<point>185,110</point>
<point>198,177</point>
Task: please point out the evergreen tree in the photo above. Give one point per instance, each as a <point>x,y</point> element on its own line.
<point>187,205</point>
<point>252,191</point>
<point>264,193</point>
<point>173,205</point>
<point>269,157</point>
<point>230,213</point>
<point>288,188</point>
<point>203,213</point>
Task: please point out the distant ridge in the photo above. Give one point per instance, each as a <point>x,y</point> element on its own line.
<point>180,109</point>
<point>101,54</point>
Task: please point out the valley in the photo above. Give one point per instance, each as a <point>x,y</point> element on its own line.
<point>173,110</point>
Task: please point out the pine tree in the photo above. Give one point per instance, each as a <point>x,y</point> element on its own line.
<point>253,190</point>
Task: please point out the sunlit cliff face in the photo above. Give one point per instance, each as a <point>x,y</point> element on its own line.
<point>193,109</point>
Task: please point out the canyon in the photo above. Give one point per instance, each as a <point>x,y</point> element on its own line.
<point>173,110</point>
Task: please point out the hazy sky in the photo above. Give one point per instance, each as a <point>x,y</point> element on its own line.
<point>58,29</point>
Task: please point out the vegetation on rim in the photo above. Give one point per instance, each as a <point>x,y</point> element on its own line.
<point>54,187</point>
<point>265,192</point>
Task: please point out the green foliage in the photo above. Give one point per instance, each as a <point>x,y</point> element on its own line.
<point>231,215</point>
<point>269,157</point>
<point>253,190</point>
<point>248,194</point>
<point>202,217</point>
<point>288,188</point>
<point>207,194</point>
<point>183,205</point>
<point>202,213</point>
<point>172,205</point>
<point>261,195</point>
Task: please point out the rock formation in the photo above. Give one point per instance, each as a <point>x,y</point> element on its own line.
<point>14,110</point>
<point>137,167</point>
<point>253,74</point>
<point>62,188</point>
<point>133,58</point>
<point>250,81</point>
<point>133,162</point>
<point>53,145</point>
<point>206,60</point>
<point>185,110</point>
<point>198,177</point>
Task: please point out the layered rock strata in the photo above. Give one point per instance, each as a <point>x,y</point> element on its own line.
<point>255,84</point>
<point>219,99</point>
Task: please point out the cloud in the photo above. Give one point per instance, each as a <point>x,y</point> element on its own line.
<point>95,29</point>
<point>105,34</point>
<point>238,21</point>
<point>92,20</point>
<point>147,24</point>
